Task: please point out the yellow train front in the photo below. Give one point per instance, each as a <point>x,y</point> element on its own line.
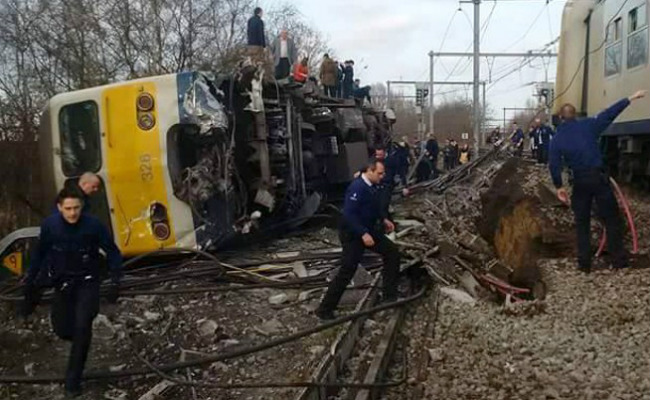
<point>118,132</point>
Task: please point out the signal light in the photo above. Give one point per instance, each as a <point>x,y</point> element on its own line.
<point>145,102</point>
<point>146,121</point>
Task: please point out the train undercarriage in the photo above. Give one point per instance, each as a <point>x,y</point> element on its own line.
<point>250,153</point>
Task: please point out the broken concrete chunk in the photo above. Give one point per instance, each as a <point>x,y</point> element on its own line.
<point>229,342</point>
<point>115,394</point>
<point>469,283</point>
<point>103,328</point>
<point>299,269</point>
<point>278,298</point>
<point>457,295</point>
<point>29,369</point>
<point>155,392</point>
<point>436,355</point>
<point>270,327</point>
<point>206,327</point>
<point>316,350</point>
<point>152,316</point>
<point>117,368</point>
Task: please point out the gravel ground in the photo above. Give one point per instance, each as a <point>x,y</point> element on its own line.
<point>591,342</point>
<point>589,339</point>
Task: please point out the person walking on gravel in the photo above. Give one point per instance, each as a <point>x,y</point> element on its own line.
<point>68,253</point>
<point>362,227</point>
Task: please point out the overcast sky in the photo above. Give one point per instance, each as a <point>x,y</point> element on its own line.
<point>390,39</point>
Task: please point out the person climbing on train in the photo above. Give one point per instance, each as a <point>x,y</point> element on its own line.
<point>362,227</point>
<point>68,257</point>
<point>301,70</point>
<point>576,145</point>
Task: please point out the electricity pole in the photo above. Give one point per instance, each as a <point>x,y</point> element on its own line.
<point>431,110</point>
<point>477,75</point>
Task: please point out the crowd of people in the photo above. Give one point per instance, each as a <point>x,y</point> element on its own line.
<point>539,139</point>
<point>336,78</point>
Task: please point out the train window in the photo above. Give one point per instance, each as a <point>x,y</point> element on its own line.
<point>637,19</point>
<point>614,49</point>
<point>614,31</point>
<point>79,130</point>
<point>637,40</point>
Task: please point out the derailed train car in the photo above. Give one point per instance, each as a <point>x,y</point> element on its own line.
<point>603,57</point>
<point>195,159</point>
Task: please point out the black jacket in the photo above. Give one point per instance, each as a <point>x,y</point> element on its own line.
<point>256,31</point>
<point>72,251</point>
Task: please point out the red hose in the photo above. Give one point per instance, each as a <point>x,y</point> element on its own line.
<point>630,221</point>
<point>602,242</point>
<point>628,214</point>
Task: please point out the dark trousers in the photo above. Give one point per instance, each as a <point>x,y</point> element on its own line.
<point>348,88</point>
<point>283,69</point>
<point>353,249</point>
<point>74,308</point>
<point>588,186</point>
<point>329,90</point>
<point>542,154</point>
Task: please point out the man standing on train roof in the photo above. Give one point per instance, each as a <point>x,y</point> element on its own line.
<point>68,252</point>
<point>576,144</point>
<point>362,227</point>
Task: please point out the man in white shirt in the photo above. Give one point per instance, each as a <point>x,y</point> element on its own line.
<point>284,54</point>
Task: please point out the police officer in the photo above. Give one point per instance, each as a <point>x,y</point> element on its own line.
<point>576,143</point>
<point>544,134</point>
<point>361,227</point>
<point>517,139</point>
<point>69,246</point>
<point>87,186</point>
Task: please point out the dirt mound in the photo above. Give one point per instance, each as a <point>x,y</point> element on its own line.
<point>514,222</point>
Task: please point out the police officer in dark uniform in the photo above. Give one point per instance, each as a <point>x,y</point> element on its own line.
<point>68,248</point>
<point>544,134</point>
<point>361,227</point>
<point>576,143</point>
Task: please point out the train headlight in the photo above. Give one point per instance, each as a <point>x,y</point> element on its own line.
<point>146,121</point>
<point>159,221</point>
<point>145,102</point>
<point>161,230</point>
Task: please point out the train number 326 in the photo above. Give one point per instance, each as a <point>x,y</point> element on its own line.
<point>146,172</point>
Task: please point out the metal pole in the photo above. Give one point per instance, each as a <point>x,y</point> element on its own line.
<point>388,98</point>
<point>477,71</point>
<point>483,117</point>
<point>504,119</point>
<point>431,110</point>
